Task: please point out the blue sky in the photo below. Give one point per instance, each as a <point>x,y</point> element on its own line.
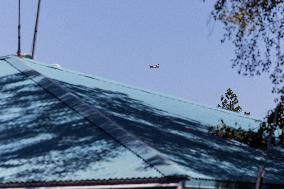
<point>118,40</point>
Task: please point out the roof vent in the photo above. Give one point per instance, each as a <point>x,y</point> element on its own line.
<point>57,66</point>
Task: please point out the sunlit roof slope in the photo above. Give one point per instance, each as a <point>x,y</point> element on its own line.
<point>174,130</point>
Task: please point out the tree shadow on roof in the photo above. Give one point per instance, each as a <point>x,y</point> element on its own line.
<point>186,142</point>
<point>41,139</point>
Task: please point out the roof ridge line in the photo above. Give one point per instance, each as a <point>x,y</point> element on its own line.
<point>118,134</point>
<point>148,91</point>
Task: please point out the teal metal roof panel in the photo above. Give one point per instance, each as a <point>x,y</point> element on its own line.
<point>183,108</point>
<point>178,129</point>
<point>45,137</point>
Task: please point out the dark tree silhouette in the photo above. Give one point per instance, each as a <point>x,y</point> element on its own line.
<point>275,120</point>
<point>256,29</point>
<point>260,138</point>
<point>230,101</point>
<point>252,138</point>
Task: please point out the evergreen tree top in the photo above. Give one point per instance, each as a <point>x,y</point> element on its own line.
<point>230,101</point>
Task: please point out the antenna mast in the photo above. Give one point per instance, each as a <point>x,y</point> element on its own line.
<point>19,29</point>
<point>36,27</point>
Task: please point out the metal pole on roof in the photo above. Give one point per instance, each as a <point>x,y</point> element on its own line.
<point>261,173</point>
<point>19,29</point>
<point>260,177</point>
<point>36,27</point>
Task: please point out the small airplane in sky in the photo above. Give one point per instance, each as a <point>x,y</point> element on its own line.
<point>155,66</point>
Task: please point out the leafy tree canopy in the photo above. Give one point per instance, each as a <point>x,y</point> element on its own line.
<point>277,115</point>
<point>256,29</point>
<point>256,138</point>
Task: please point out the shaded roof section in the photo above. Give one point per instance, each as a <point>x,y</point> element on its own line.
<point>178,129</point>
<point>171,105</point>
<point>48,134</point>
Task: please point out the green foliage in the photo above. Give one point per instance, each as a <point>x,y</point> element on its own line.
<point>230,101</point>
<point>256,29</point>
<point>259,138</point>
<point>277,115</point>
<point>276,118</point>
<point>249,137</point>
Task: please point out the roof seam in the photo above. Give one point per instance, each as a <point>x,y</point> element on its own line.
<point>87,117</point>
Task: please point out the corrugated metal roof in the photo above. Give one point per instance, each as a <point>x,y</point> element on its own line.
<point>48,134</point>
<point>174,132</point>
